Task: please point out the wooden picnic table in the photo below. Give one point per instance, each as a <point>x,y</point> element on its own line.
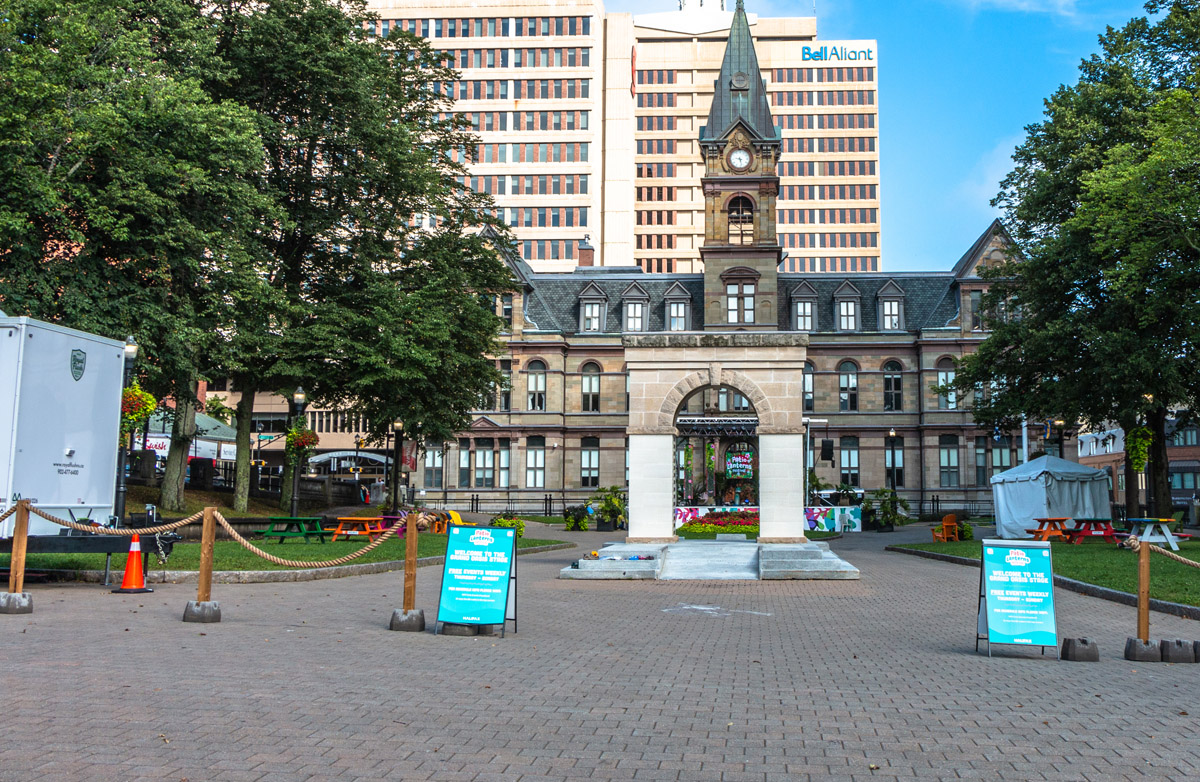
<point>284,527</point>
<point>1147,534</point>
<point>1050,528</point>
<point>371,526</point>
<point>1092,528</point>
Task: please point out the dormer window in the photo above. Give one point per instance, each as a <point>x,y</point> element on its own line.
<point>677,303</point>
<point>677,316</point>
<point>593,305</point>
<point>804,307</point>
<point>741,221</point>
<point>891,307</point>
<point>635,309</point>
<point>740,287</point>
<point>846,301</point>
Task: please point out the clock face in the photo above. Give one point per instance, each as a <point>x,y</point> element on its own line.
<point>739,158</point>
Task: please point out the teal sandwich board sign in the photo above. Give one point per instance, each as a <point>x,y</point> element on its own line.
<point>479,577</point>
<point>1016,595</point>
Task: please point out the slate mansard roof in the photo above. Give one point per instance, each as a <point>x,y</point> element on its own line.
<point>553,301</point>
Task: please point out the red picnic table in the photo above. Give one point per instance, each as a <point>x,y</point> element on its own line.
<point>1092,528</point>
<point>1050,528</point>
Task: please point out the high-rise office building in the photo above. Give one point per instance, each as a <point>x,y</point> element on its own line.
<point>588,126</point>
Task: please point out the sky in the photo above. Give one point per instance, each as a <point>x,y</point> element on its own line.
<point>959,80</point>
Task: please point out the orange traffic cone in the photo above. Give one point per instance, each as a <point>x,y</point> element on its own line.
<point>134,580</point>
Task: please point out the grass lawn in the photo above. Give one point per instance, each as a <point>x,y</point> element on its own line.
<point>229,554</point>
<point>810,534</point>
<point>197,500</point>
<point>1103,565</point>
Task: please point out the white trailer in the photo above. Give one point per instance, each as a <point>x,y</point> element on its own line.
<point>60,411</point>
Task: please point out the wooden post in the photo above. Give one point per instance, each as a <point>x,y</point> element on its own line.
<point>207,538</point>
<point>1143,604</point>
<point>410,561</point>
<point>16,568</point>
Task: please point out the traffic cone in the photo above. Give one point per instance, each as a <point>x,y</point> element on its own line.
<point>135,580</point>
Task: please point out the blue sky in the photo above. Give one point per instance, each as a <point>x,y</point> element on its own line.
<point>958,82</point>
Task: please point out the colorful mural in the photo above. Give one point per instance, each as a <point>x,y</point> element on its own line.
<point>834,519</point>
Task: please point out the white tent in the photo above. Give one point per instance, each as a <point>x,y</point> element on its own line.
<point>1047,487</point>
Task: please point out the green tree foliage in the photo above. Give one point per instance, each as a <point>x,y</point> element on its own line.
<point>373,261</point>
<point>124,181</point>
<point>1094,317</point>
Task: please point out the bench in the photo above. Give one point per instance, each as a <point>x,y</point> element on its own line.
<point>284,527</point>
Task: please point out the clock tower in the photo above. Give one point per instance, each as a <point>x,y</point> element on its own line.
<point>741,147</point>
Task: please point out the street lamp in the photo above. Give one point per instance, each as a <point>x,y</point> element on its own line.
<point>891,443</point>
<point>299,404</point>
<point>131,351</point>
<point>398,429</point>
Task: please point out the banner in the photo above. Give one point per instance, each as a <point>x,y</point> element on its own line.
<point>408,455</point>
<point>1016,586</point>
<point>476,575</point>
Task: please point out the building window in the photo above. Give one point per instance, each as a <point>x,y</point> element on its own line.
<point>893,451</point>
<point>948,461</point>
<point>893,386</point>
<point>433,466</point>
<point>504,397</point>
<point>537,385</point>
<point>803,315</point>
<point>591,316</point>
<point>891,315</point>
<point>807,378</point>
<point>976,310</point>
<point>506,310</point>
<point>739,302</point>
<point>535,462</point>
<point>741,221</point>
<point>945,376</point>
<point>849,460</point>
<point>981,464</point>
<point>848,386</point>
<point>635,316</point>
<point>464,463</point>
<point>729,401</point>
<point>590,385</point>
<point>589,462</point>
<point>847,315</point>
<point>485,464</point>
<point>677,316</point>
<point>1001,454</point>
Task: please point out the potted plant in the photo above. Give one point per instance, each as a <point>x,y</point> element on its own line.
<point>609,506</point>
<point>844,495</point>
<point>885,505</point>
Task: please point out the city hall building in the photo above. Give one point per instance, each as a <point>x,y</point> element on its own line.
<point>700,308</point>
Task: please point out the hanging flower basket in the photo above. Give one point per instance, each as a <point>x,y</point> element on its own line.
<point>300,443</point>
<point>136,407</point>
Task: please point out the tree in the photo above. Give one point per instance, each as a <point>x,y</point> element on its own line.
<point>372,262</point>
<point>1090,317</point>
<point>125,188</point>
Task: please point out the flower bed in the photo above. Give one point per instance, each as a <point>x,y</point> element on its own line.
<point>730,518</point>
<point>750,530</point>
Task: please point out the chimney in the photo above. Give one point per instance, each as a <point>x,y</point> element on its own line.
<point>587,254</point>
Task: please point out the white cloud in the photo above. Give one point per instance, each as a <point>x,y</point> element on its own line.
<point>982,183</point>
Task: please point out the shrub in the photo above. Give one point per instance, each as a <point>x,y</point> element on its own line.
<point>965,531</point>
<point>510,521</point>
<point>577,517</point>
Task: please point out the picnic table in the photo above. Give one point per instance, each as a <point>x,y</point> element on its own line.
<point>1147,534</point>
<point>1050,528</point>
<point>1092,528</point>
<point>372,526</point>
<point>284,527</point>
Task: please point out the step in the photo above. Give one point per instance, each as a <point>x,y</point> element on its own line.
<point>709,560</point>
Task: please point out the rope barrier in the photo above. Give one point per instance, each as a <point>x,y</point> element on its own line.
<point>8,512</point>
<point>1133,544</point>
<point>126,531</point>
<point>379,541</point>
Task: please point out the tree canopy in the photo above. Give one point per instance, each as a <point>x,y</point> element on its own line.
<point>1094,316</point>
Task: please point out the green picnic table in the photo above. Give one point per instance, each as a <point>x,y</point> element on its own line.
<point>294,527</point>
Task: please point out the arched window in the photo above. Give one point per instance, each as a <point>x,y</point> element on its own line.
<point>590,386</point>
<point>536,371</point>
<point>848,385</point>
<point>809,372</point>
<point>893,385</point>
<point>945,376</point>
<point>741,220</point>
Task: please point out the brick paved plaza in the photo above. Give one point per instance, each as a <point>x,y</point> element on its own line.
<point>867,680</point>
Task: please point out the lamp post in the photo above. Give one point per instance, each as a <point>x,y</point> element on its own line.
<point>398,430</point>
<point>299,404</point>
<point>131,351</point>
